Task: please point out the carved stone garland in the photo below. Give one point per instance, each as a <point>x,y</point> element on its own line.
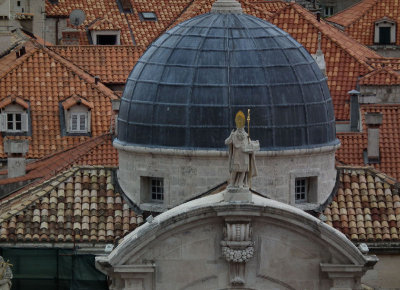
<point>237,248</point>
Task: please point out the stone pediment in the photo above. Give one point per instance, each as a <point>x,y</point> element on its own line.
<point>210,243</point>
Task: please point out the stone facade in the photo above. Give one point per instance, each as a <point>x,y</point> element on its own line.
<point>385,274</point>
<point>189,173</point>
<point>26,14</point>
<point>54,29</point>
<point>213,244</point>
<point>380,94</point>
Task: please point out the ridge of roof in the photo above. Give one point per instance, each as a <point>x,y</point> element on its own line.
<point>85,76</point>
<point>353,13</point>
<point>332,32</point>
<point>81,73</point>
<point>46,171</point>
<point>103,24</point>
<point>381,76</point>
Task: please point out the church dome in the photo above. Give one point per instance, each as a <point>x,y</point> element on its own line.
<point>186,89</point>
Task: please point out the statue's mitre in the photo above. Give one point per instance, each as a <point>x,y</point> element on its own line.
<point>240,119</point>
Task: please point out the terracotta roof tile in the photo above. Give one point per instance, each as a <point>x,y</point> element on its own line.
<point>111,63</point>
<point>43,78</point>
<point>354,143</point>
<point>104,24</point>
<point>381,77</point>
<point>359,20</point>
<point>369,221</point>
<point>35,218</point>
<point>130,24</point>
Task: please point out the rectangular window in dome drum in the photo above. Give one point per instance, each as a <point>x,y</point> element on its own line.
<point>157,189</point>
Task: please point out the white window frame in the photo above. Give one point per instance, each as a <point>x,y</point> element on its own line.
<point>95,33</point>
<point>79,119</point>
<point>13,110</point>
<point>329,11</point>
<point>385,23</point>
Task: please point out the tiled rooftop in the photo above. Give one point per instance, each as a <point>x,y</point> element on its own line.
<point>144,32</point>
<point>44,79</point>
<point>78,205</point>
<point>354,143</point>
<point>381,77</point>
<point>110,62</point>
<point>391,62</point>
<point>366,207</point>
<point>359,20</point>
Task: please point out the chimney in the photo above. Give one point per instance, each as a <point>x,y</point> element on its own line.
<point>115,107</point>
<point>354,111</point>
<point>373,122</point>
<point>319,56</point>
<point>70,37</point>
<point>16,150</point>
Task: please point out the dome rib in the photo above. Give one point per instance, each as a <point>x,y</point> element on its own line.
<point>186,88</point>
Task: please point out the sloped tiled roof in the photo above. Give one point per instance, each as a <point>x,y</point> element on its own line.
<point>44,79</point>
<point>143,32</point>
<point>392,62</point>
<point>110,62</point>
<point>78,205</point>
<point>381,77</point>
<point>354,143</point>
<point>48,166</point>
<point>366,207</point>
<point>358,21</point>
<point>353,13</point>
<point>103,24</point>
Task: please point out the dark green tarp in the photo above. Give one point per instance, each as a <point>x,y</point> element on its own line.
<point>53,269</point>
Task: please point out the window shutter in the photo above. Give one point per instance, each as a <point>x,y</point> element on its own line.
<point>74,122</point>
<point>3,122</point>
<point>89,121</point>
<point>24,122</point>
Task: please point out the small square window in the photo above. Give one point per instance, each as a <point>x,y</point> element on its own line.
<point>79,122</point>
<point>157,189</point>
<point>105,39</point>
<point>14,122</point>
<point>301,190</point>
<point>328,11</point>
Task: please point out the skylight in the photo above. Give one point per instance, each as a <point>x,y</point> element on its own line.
<point>148,16</point>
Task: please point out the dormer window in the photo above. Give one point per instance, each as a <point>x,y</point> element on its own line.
<point>385,31</point>
<point>76,114</point>
<point>14,116</point>
<point>104,32</point>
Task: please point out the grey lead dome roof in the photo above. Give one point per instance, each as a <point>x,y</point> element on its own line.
<point>186,89</point>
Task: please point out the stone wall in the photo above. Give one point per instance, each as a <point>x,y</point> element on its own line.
<point>385,274</point>
<point>188,173</point>
<point>379,94</point>
<point>54,28</point>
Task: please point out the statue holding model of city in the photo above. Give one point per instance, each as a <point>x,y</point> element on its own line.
<point>242,150</point>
